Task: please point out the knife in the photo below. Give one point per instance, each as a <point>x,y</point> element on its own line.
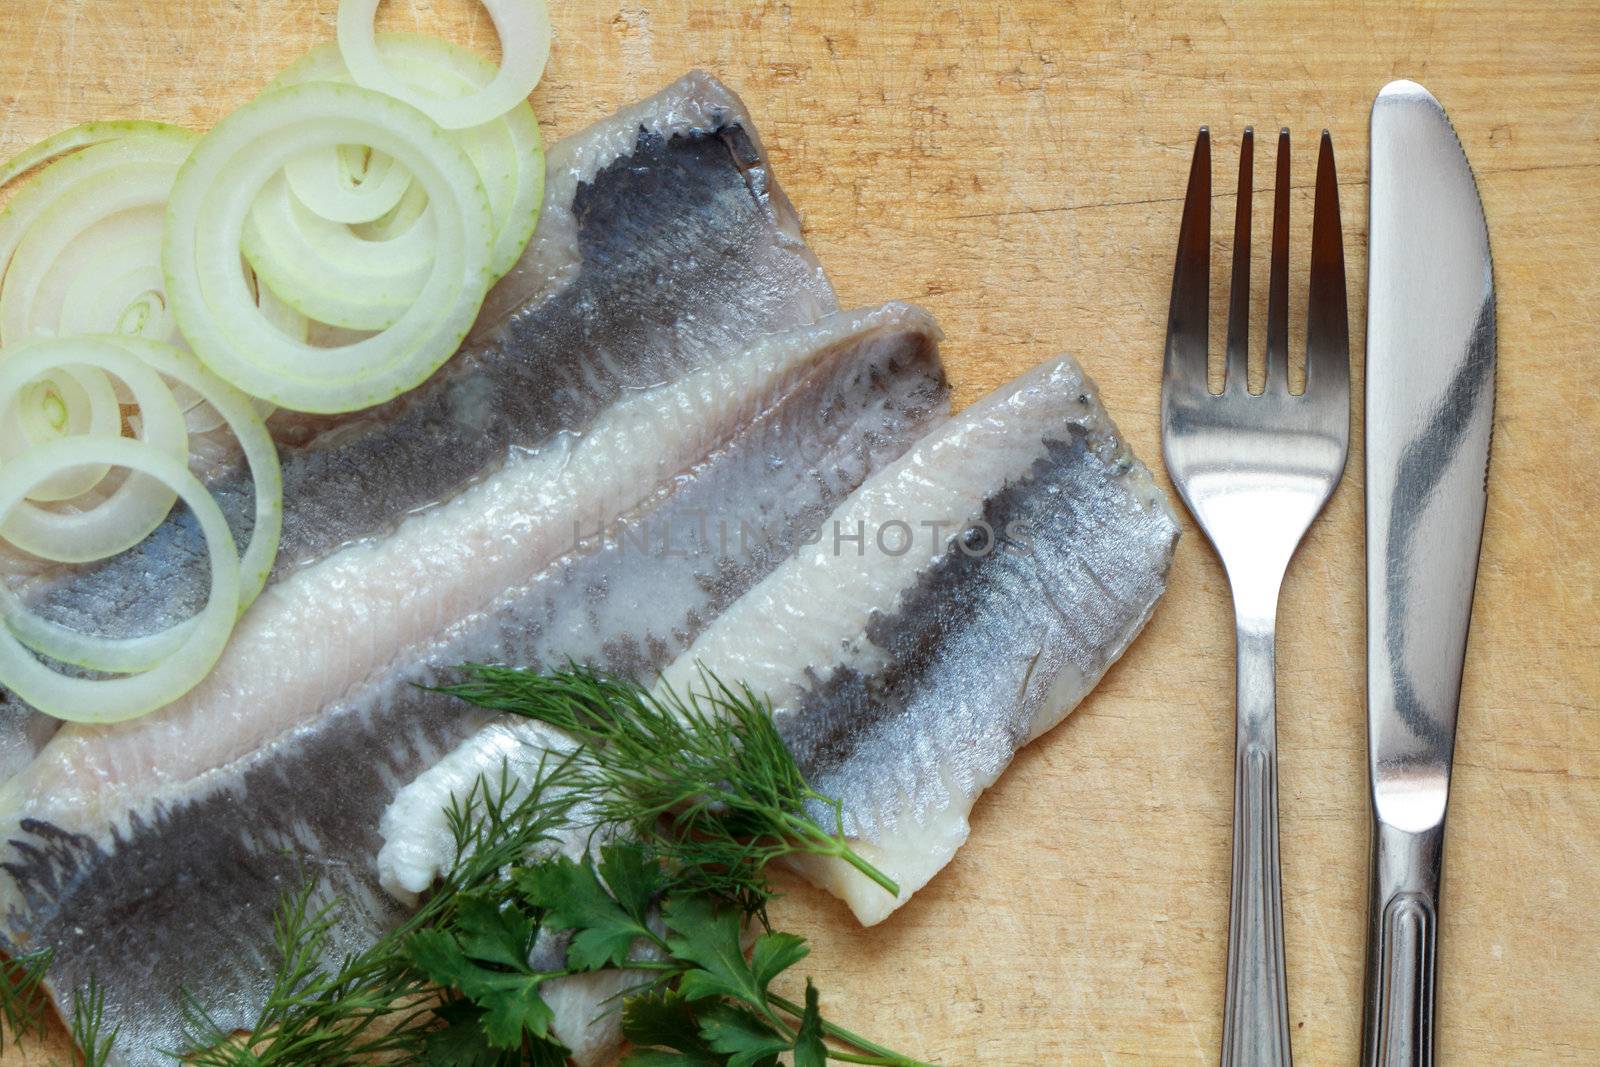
<point>1430,405</point>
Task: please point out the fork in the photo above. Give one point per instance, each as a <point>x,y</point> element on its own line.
<point>1255,470</point>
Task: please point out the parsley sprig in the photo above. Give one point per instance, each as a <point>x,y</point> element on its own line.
<point>694,796</point>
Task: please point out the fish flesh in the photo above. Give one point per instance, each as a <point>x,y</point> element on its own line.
<point>959,604</point>
<point>658,369</point>
<point>953,608</point>
<point>164,834</point>
<point>419,846</point>
<point>631,595</point>
<point>662,242</point>
<point>184,828</point>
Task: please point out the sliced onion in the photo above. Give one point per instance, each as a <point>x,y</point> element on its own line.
<point>524,29</point>
<point>124,295</point>
<point>208,209</point>
<point>326,272</point>
<point>347,183</point>
<point>411,207</point>
<point>203,639</point>
<point>507,151</point>
<point>31,302</point>
<point>130,512</point>
<point>200,416</point>
<point>68,141</point>
<point>80,246</point>
<point>54,232</point>
<point>68,401</point>
<point>122,356</point>
<point>243,416</point>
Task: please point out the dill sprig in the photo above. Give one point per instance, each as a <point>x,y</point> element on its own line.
<point>696,795</point>
<point>23,1006</point>
<point>702,776</point>
<point>378,1004</point>
<point>92,1045</point>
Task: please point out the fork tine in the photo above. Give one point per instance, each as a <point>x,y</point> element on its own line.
<point>1188,318</point>
<point>1278,287</point>
<point>1327,320</point>
<point>1236,373</point>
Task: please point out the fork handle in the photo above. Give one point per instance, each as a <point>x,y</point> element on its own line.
<point>1402,947</point>
<point>1255,1029</point>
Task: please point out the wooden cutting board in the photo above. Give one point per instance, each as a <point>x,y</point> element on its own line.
<point>1017,167</point>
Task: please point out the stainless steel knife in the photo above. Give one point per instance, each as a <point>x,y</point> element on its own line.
<point>1430,406</point>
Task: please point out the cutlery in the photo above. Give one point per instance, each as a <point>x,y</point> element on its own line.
<point>1430,405</point>
<point>1255,470</point>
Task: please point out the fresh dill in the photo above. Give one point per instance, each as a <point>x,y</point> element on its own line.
<point>695,796</point>
<point>91,1043</point>
<point>703,776</point>
<point>23,1007</point>
<point>378,1004</point>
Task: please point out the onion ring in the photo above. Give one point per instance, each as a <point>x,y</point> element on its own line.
<point>524,29</point>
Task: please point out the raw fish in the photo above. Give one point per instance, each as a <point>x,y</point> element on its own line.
<point>661,244</point>
<point>640,381</point>
<point>959,605</point>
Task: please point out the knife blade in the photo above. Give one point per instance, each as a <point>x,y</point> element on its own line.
<point>1429,411</point>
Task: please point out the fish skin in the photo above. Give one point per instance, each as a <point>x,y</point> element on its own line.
<point>114,852</point>
<point>910,681</point>
<point>90,869</point>
<point>654,208</point>
<point>894,383</point>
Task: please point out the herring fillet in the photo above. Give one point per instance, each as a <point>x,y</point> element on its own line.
<point>749,506</point>
<point>155,842</point>
<point>152,853</point>
<point>662,242</point>
<point>904,679</point>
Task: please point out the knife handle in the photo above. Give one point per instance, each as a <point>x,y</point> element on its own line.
<point>1402,946</point>
<point>1255,1023</point>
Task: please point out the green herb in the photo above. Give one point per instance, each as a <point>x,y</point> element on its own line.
<point>22,1002</point>
<point>24,1008</point>
<point>381,1004</point>
<point>701,1001</point>
<point>695,796</point>
<point>703,776</point>
<point>92,1046</point>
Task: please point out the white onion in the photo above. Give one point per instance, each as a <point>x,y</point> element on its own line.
<point>203,638</point>
<point>325,271</point>
<point>56,233</point>
<point>129,513</point>
<point>243,417</point>
<point>80,245</point>
<point>507,151</point>
<point>213,196</point>
<point>140,361</point>
<point>67,401</point>
<point>348,183</point>
<point>68,141</point>
<point>524,29</point>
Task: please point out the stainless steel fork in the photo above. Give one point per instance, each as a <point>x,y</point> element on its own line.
<point>1255,470</point>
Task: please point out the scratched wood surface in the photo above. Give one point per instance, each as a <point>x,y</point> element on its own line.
<point>1017,168</point>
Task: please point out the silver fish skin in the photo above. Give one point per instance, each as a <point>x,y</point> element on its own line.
<point>662,243</point>
<point>907,662</point>
<point>152,855</point>
<point>709,538</point>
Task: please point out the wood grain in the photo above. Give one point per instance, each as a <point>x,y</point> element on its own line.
<point>1017,168</point>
